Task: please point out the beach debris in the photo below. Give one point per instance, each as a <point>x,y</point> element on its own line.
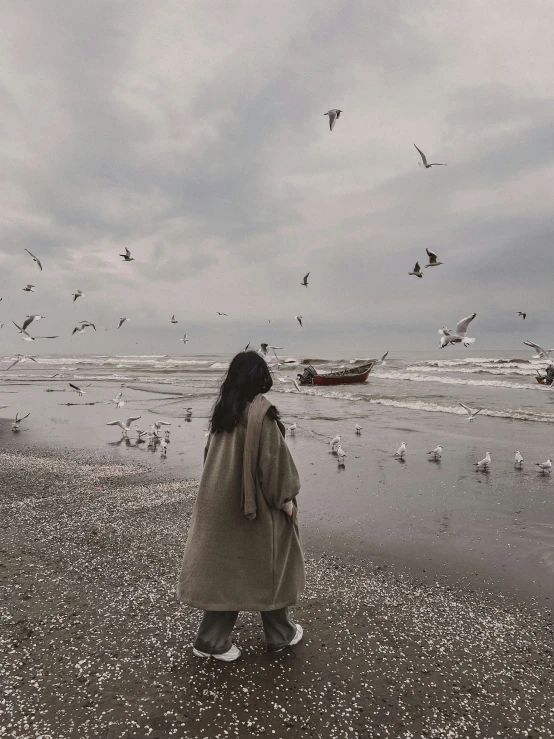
<point>432,259</point>
<point>78,294</point>
<point>436,452</point>
<point>523,315</point>
<point>541,353</point>
<point>401,453</point>
<point>17,422</point>
<point>299,319</point>
<point>471,412</point>
<point>173,319</point>
<point>518,459</point>
<point>460,335</point>
<point>122,321</point>
<point>427,164</point>
<point>304,282</point>
<point>358,428</point>
<point>545,466</point>
<point>35,259</point>
<point>292,429</point>
<point>127,256</point>
<point>334,115</point>
<point>416,271</point>
<point>484,463</point>
<point>29,319</point>
<point>28,288</point>
<point>125,426</point>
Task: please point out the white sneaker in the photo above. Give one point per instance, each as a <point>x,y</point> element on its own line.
<point>295,639</point>
<point>230,656</point>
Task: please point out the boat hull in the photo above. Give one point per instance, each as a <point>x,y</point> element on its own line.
<point>346,380</point>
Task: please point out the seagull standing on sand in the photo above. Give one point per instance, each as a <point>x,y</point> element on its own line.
<point>122,321</point>
<point>432,259</point>
<point>78,294</point>
<point>518,460</point>
<point>417,271</point>
<point>173,319</point>
<point>461,333</point>
<point>471,413</point>
<point>35,259</point>
<point>28,289</point>
<point>341,454</point>
<point>299,319</point>
<point>292,429</point>
<point>125,426</point>
<point>127,256</point>
<point>436,452</point>
<point>484,463</point>
<point>29,319</point>
<point>334,115</point>
<point>77,389</point>
<point>541,353</point>
<point>427,164</point>
<point>140,433</point>
<point>17,422</point>
<point>305,280</point>
<point>358,429</point>
<point>401,450</point>
<point>523,315</point>
<point>545,466</point>
<point>334,443</point>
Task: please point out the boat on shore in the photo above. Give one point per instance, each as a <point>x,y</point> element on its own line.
<point>345,376</point>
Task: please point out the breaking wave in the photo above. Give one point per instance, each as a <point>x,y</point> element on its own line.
<point>408,377</point>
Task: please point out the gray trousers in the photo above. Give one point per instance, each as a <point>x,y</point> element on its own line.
<point>215,630</point>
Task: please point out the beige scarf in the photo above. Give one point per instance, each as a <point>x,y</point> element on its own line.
<point>256,414</point>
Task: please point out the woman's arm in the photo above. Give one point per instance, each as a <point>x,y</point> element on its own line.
<point>277,472</point>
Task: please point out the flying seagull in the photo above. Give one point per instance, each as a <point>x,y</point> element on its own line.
<point>127,256</point>
<point>426,164</point>
<point>82,327</point>
<point>35,259</point>
<point>29,288</point>
<point>305,280</point>
<point>21,358</point>
<point>27,337</point>
<point>87,323</point>
<point>17,422</point>
<point>484,462</point>
<point>173,319</point>
<point>523,315</point>
<point>545,466</point>
<point>184,339</point>
<point>461,333</point>
<point>29,319</point>
<point>541,353</point>
<point>471,412</point>
<point>125,426</point>
<point>299,319</point>
<point>417,271</point>
<point>334,115</point>
<point>77,294</point>
<point>518,459</point>
<point>247,347</point>
<point>382,359</point>
<point>77,389</point>
<point>221,314</point>
<point>122,321</point>
<point>432,259</point>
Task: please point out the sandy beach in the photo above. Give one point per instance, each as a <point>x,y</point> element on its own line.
<point>95,643</point>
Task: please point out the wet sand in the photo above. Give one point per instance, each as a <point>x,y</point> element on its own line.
<point>95,644</point>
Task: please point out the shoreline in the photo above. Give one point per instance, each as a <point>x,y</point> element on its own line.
<point>96,644</point>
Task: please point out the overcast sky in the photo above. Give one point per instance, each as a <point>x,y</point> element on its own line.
<point>194,134</point>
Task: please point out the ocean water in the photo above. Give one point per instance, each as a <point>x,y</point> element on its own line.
<point>501,382</point>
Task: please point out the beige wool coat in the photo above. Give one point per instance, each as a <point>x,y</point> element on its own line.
<point>232,563</point>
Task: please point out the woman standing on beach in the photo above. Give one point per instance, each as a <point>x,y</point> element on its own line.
<point>243,550</point>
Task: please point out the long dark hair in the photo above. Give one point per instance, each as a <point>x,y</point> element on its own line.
<point>248,375</point>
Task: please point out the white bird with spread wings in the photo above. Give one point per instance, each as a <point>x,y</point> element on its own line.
<point>461,333</point>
